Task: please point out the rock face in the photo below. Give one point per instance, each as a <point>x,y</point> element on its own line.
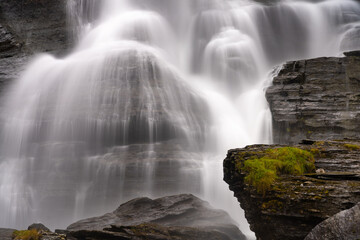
<point>40,25</point>
<point>28,27</point>
<point>175,217</point>
<point>316,99</point>
<point>342,226</point>
<point>296,204</point>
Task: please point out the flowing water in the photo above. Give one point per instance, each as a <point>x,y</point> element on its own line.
<point>149,101</point>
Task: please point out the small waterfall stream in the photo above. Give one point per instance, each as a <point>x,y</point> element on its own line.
<point>151,98</point>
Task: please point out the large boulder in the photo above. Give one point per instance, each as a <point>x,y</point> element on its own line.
<point>316,99</point>
<point>294,204</point>
<point>182,216</point>
<point>343,226</point>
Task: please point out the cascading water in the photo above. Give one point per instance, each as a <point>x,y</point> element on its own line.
<point>151,98</point>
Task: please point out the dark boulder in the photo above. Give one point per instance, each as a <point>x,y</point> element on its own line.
<point>176,217</point>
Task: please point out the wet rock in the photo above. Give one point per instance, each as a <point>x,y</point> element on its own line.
<point>40,25</point>
<point>39,227</point>
<point>181,217</point>
<point>6,233</point>
<point>28,27</point>
<point>294,205</point>
<point>150,232</point>
<point>8,44</point>
<point>316,99</point>
<point>342,226</point>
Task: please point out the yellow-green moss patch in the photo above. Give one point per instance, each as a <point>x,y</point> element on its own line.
<point>26,235</point>
<point>352,147</point>
<point>262,172</point>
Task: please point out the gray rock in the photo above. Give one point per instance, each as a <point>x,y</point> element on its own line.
<point>28,27</point>
<point>343,226</point>
<point>40,25</point>
<point>316,99</point>
<point>184,215</point>
<point>8,44</point>
<point>38,227</point>
<point>6,233</point>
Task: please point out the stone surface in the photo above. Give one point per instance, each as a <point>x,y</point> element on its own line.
<point>9,46</point>
<point>296,204</point>
<point>39,24</point>
<point>28,27</point>
<point>38,227</point>
<point>316,99</point>
<point>176,217</point>
<point>149,232</point>
<point>6,233</point>
<point>342,226</point>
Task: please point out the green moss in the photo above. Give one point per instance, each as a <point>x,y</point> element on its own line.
<point>262,172</point>
<point>352,147</point>
<point>26,235</point>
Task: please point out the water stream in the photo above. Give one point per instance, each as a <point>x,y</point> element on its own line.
<point>149,101</point>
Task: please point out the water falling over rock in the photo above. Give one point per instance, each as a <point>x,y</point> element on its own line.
<point>150,99</point>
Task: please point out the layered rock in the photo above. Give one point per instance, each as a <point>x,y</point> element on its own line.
<point>296,204</point>
<point>175,217</point>
<point>316,99</point>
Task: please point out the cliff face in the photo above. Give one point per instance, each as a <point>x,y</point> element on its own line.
<point>28,27</point>
<point>316,99</point>
<point>40,25</point>
<point>296,204</point>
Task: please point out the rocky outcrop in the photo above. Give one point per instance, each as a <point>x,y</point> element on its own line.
<point>28,27</point>
<point>316,99</point>
<point>39,25</point>
<point>176,217</point>
<point>342,226</point>
<point>294,205</point>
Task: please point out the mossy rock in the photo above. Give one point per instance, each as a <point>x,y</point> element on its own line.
<point>261,172</point>
<point>32,234</point>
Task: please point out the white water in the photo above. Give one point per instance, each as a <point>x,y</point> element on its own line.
<point>150,100</point>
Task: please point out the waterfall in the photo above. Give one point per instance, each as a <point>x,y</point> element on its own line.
<point>150,99</point>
